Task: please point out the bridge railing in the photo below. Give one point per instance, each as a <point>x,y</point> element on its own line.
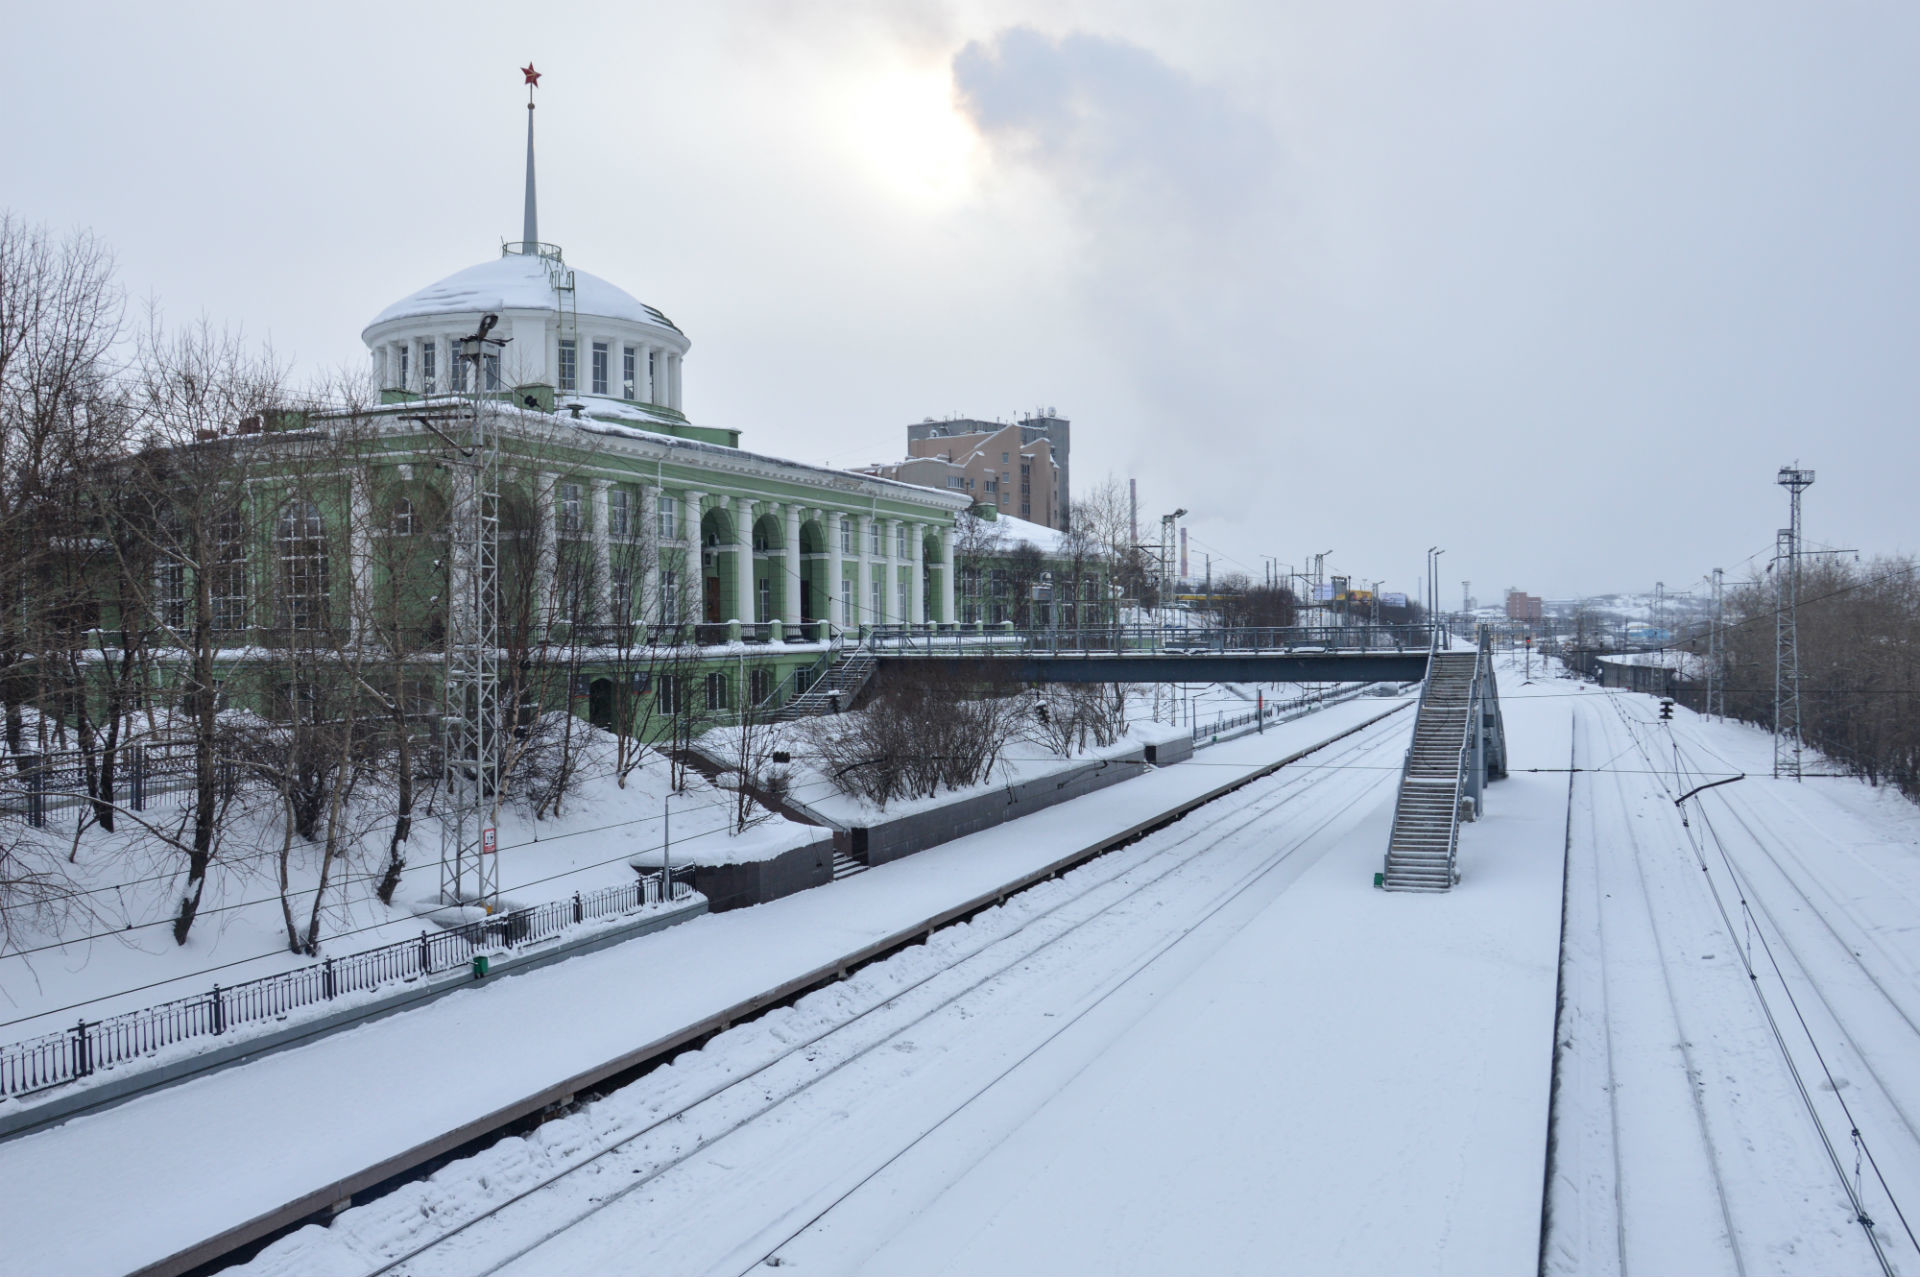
<point>1143,640</point>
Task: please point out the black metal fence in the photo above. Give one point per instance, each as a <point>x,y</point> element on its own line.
<point>92,1045</point>
<point>144,776</point>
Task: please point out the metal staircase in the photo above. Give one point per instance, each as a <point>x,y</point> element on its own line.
<point>826,687</point>
<point>1459,742</point>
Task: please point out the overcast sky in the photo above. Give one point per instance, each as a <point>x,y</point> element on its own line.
<point>1558,287</point>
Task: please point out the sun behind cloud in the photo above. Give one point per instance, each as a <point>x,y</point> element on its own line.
<point>901,126</point>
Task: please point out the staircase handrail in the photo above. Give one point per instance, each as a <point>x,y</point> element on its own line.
<point>814,670</point>
<point>1467,733</point>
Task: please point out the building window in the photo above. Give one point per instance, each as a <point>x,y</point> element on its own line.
<point>656,364</point>
<point>878,597</point>
<point>490,370</point>
<point>846,603</point>
<point>229,585</point>
<point>599,367</point>
<point>763,601</point>
<point>716,690</point>
<point>405,355</point>
<point>760,684</point>
<point>874,528</point>
<point>900,540</point>
<point>568,508</point>
<point>846,535</point>
<point>669,516</point>
<point>1003,458</point>
<point>955,481</point>
<point>302,543</point>
<point>669,597</point>
<point>999,583</point>
<point>428,366</point>
<point>626,372</point>
<point>993,485</point>
<point>901,600</point>
<point>672,694</point>
<point>170,593</point>
<point>569,364</point>
<point>622,596</point>
<point>402,524</point>
<point>619,513</point>
<point>456,371</point>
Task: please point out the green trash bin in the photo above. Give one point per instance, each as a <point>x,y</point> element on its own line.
<point>480,966</point>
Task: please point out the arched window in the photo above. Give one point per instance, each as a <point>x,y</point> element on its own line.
<point>229,559</point>
<point>300,541</point>
<point>404,523</point>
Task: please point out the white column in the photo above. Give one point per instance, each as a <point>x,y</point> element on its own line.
<point>673,380</point>
<point>693,571</point>
<point>743,561</point>
<point>360,550</point>
<point>946,576</point>
<point>835,566</point>
<point>547,563</point>
<point>863,584</point>
<point>648,355</point>
<point>646,540</point>
<point>917,556</point>
<point>889,573</point>
<point>792,583</point>
<point>603,556</point>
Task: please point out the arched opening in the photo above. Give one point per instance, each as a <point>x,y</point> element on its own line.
<point>600,703</point>
<point>814,601</point>
<point>769,584</point>
<point>930,563</point>
<point>716,567</point>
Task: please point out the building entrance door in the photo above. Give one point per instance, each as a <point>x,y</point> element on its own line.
<point>713,601</point>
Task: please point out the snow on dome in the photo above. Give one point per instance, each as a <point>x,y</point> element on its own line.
<point>515,281</point>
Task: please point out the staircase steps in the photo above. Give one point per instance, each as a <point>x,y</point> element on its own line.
<point>834,691</point>
<point>845,866</point>
<point>1424,841</point>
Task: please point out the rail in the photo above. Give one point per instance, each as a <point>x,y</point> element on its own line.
<point>55,1059</point>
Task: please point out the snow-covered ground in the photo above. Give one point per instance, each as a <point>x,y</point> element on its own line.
<point>1717,1055</point>
<point>1218,1049</point>
<point>184,1163</point>
<point>116,951</point>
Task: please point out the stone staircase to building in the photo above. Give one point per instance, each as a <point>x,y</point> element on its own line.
<point>845,866</point>
<point>1426,821</point>
<point>834,691</point>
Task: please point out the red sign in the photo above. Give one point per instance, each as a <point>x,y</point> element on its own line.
<point>489,841</point>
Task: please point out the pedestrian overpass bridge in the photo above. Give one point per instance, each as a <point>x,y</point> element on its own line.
<point>1155,654</point>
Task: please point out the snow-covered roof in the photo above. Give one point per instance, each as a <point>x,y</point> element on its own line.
<point>518,281</point>
<point>1049,541</point>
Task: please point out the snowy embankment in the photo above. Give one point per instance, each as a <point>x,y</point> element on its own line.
<point>288,1126</point>
<point>114,951</point>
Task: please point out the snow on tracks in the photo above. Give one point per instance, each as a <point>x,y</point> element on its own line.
<point>654,1146</point>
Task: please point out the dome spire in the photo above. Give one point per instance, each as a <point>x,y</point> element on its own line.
<point>530,227</point>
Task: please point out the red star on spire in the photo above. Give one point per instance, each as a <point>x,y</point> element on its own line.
<point>533,76</point>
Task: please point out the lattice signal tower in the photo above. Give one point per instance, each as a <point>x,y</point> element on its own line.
<point>1786,629</point>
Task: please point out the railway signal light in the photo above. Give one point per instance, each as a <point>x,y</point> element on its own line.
<point>1666,711</point>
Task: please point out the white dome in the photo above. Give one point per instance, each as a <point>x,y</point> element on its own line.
<point>515,281</point>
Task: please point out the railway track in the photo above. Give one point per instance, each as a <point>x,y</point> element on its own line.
<point>609,1161</point>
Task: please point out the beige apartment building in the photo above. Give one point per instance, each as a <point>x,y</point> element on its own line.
<point>1018,468</point>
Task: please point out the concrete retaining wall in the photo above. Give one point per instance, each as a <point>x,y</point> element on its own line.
<point>756,882</point>
<point>891,839</point>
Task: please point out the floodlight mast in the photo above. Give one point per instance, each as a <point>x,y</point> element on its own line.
<point>471,711</point>
<point>1786,628</point>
